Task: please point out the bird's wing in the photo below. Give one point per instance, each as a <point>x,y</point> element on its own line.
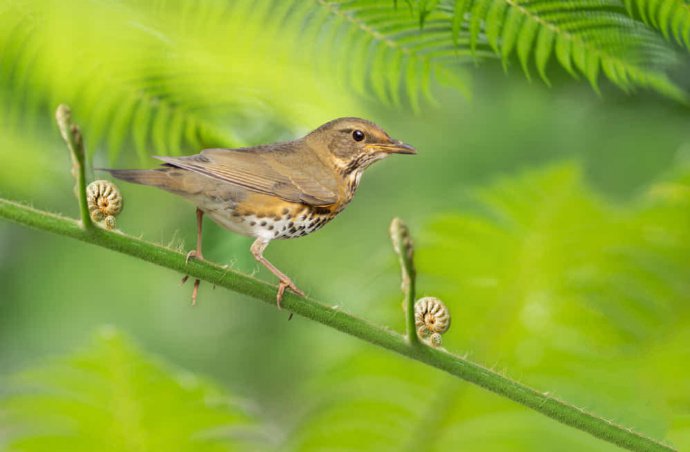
<point>279,172</point>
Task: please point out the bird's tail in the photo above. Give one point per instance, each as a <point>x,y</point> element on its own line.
<point>155,177</point>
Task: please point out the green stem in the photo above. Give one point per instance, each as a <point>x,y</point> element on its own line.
<point>404,248</point>
<point>333,317</point>
<point>75,143</point>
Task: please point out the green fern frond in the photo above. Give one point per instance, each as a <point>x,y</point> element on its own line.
<point>172,76</point>
<point>157,79</point>
<point>104,83</point>
<point>376,405</point>
<point>586,37</point>
<point>542,276</point>
<point>545,241</point>
<point>385,404</point>
<point>111,397</point>
<point>386,50</point>
<point>672,17</point>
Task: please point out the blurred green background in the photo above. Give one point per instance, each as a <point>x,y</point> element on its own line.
<point>554,223</point>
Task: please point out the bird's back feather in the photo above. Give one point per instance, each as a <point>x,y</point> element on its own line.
<point>279,171</point>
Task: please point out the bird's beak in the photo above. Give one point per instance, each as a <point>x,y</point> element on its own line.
<point>395,147</point>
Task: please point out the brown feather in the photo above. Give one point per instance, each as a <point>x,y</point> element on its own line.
<point>275,170</point>
<point>182,182</point>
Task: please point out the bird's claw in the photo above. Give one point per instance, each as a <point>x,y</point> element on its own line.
<point>287,284</point>
<point>194,254</point>
<point>195,291</point>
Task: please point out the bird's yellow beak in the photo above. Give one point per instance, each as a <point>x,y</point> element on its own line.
<point>395,147</point>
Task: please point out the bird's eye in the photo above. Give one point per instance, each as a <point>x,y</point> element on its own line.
<point>358,135</point>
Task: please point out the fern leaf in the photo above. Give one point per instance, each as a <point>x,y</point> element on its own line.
<point>632,297</point>
<point>459,10</point>
<point>542,53</point>
<point>385,404</point>
<point>159,79</point>
<point>425,8</point>
<point>524,44</point>
<point>494,24</point>
<point>148,78</point>
<point>671,17</point>
<point>475,24</point>
<point>588,37</point>
<point>510,31</point>
<point>112,397</point>
<point>400,54</point>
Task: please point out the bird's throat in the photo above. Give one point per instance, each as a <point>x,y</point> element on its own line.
<point>353,181</point>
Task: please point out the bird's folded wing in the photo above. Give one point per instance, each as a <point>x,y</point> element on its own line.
<point>277,174</point>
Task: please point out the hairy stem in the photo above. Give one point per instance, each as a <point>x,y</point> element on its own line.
<point>404,248</point>
<point>75,143</point>
<point>333,317</point>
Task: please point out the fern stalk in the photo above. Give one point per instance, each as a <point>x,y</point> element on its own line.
<point>75,143</point>
<point>402,244</point>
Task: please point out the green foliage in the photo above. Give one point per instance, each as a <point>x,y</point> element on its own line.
<point>573,292</point>
<point>542,270</point>
<point>164,75</point>
<point>565,277</point>
<point>587,37</point>
<point>383,49</point>
<point>112,397</point>
<point>672,17</point>
<point>173,75</point>
<point>385,403</point>
<point>551,259</point>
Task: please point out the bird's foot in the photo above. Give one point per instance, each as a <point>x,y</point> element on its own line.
<point>194,254</point>
<point>287,284</point>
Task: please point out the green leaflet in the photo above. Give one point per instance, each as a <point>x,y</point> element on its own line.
<point>587,36</point>
<point>113,397</point>
<point>510,33</point>
<point>524,44</point>
<point>494,24</point>
<point>671,17</point>
<point>542,52</point>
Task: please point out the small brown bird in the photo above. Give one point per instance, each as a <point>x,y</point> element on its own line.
<point>276,191</point>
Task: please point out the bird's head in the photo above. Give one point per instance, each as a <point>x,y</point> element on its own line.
<point>356,143</point>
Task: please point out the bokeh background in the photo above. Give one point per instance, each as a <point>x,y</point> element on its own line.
<point>552,220</point>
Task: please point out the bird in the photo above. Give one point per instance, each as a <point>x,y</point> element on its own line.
<point>275,191</point>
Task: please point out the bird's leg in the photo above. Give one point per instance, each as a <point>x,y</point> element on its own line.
<point>257,249</point>
<point>196,254</point>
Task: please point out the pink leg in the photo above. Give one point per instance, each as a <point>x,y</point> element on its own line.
<point>257,249</point>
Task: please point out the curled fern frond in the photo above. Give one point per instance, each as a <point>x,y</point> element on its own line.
<point>672,17</point>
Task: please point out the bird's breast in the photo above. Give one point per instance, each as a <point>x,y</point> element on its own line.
<point>269,217</point>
